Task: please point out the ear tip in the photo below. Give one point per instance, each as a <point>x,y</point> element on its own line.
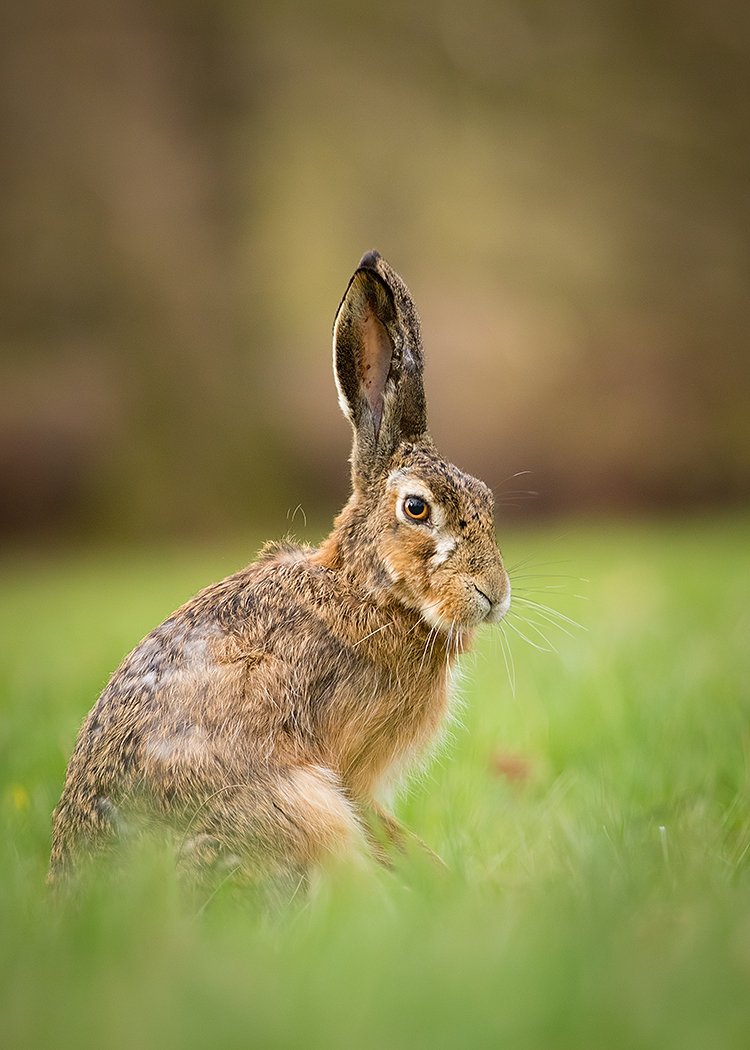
<point>370,260</point>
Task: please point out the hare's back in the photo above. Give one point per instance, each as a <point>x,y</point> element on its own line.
<point>220,680</point>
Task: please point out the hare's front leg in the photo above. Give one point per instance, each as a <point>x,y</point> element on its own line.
<point>385,830</point>
<point>317,821</point>
<point>286,822</point>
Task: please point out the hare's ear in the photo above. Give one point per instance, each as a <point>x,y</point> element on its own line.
<point>377,355</point>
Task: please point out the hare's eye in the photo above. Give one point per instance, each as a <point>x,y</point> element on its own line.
<point>416,508</point>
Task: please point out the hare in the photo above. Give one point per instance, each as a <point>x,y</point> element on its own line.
<point>269,718</point>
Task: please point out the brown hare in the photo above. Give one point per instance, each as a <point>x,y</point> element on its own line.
<point>269,718</point>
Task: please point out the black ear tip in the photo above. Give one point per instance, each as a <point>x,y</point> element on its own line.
<point>369,260</point>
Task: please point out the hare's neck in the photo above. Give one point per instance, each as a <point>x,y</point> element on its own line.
<point>351,554</point>
<point>351,550</point>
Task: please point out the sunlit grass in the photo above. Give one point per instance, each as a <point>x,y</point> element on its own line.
<point>595,824</point>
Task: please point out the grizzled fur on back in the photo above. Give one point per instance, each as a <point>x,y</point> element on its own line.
<point>268,719</point>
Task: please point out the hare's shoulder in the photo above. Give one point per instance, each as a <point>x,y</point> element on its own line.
<point>246,617</point>
<point>249,605</point>
<point>283,608</point>
<point>276,594</point>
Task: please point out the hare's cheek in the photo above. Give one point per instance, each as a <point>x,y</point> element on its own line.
<point>444,547</point>
<point>396,565</point>
<point>402,583</point>
<point>404,560</point>
<point>455,605</point>
<point>435,613</point>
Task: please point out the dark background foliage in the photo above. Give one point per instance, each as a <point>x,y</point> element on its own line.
<point>188,186</point>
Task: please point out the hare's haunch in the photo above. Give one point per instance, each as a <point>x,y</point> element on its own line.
<point>262,720</point>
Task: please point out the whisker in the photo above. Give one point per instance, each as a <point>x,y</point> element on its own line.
<point>535,626</point>
<point>553,623</point>
<point>530,563</point>
<point>540,590</point>
<point>547,648</point>
<point>428,645</point>
<point>510,477</point>
<point>436,631</point>
<point>518,494</point>
<point>549,576</point>
<point>553,615</point>
<point>510,667</point>
<point>370,635</point>
<point>293,514</point>
<point>454,643</point>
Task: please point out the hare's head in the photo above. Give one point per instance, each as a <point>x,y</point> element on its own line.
<point>424,528</point>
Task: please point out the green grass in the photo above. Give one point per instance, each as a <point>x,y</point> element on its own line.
<point>596,827</point>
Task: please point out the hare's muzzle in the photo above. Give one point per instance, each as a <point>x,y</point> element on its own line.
<point>494,600</point>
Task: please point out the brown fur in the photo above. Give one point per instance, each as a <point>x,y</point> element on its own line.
<point>267,718</point>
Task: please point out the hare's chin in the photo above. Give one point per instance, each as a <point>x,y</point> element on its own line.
<point>432,615</point>
<point>433,618</point>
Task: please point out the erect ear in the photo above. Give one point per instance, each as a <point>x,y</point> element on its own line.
<point>363,346</point>
<point>378,363</point>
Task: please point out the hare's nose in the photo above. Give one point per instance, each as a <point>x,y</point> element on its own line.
<point>485,597</point>
<point>496,605</point>
<point>485,603</point>
<point>500,608</point>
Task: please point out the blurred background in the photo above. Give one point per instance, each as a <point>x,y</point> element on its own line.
<point>188,186</point>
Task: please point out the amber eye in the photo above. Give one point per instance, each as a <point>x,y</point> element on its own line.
<point>416,508</point>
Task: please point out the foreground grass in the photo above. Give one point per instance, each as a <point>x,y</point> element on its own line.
<point>595,824</point>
